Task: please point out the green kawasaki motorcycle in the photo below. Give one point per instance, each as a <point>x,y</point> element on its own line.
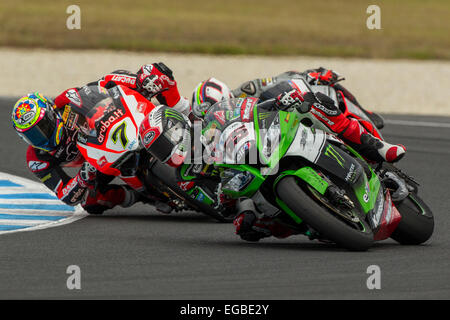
<point>323,188</point>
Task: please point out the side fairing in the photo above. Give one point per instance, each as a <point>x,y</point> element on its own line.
<point>307,144</point>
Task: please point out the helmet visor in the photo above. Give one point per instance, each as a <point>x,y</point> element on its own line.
<point>161,148</point>
<point>41,134</point>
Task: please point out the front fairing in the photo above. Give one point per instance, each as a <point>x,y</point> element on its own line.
<point>110,129</point>
<point>228,132</point>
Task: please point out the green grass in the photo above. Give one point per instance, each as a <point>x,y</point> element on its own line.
<point>414,29</point>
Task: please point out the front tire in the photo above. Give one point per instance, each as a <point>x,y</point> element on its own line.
<point>321,219</point>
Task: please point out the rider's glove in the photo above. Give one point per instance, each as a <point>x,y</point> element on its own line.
<point>323,76</point>
<point>87,175</point>
<point>290,99</point>
<point>154,78</point>
<point>328,77</point>
<point>398,184</point>
<point>199,110</point>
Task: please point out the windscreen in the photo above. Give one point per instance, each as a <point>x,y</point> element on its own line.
<point>223,111</point>
<point>95,104</point>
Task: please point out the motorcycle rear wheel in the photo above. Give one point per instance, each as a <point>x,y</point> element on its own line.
<point>417,223</point>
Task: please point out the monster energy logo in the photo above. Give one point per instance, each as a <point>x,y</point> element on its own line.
<point>332,153</point>
<point>173,114</point>
<point>264,115</point>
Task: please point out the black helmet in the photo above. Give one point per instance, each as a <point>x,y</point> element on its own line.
<point>165,133</point>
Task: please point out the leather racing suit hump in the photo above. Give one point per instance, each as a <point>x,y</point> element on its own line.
<point>318,76</point>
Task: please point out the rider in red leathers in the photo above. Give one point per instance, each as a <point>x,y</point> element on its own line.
<point>315,77</point>
<point>46,125</point>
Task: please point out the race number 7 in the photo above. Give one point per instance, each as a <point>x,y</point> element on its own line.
<point>120,130</point>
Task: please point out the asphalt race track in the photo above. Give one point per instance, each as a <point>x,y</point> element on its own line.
<point>141,254</point>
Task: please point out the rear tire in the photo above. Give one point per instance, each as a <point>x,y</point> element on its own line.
<point>417,223</point>
<point>321,219</point>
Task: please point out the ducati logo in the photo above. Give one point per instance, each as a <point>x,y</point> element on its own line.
<point>102,161</point>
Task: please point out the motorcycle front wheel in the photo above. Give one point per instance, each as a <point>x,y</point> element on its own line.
<point>320,216</point>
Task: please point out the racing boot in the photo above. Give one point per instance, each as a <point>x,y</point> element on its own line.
<point>352,131</point>
<point>368,145</point>
<point>252,226</point>
<point>245,221</point>
<point>163,207</point>
<point>377,150</point>
<point>130,197</point>
<point>107,197</point>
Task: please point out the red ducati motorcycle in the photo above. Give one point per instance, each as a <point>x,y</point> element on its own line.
<point>108,122</point>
